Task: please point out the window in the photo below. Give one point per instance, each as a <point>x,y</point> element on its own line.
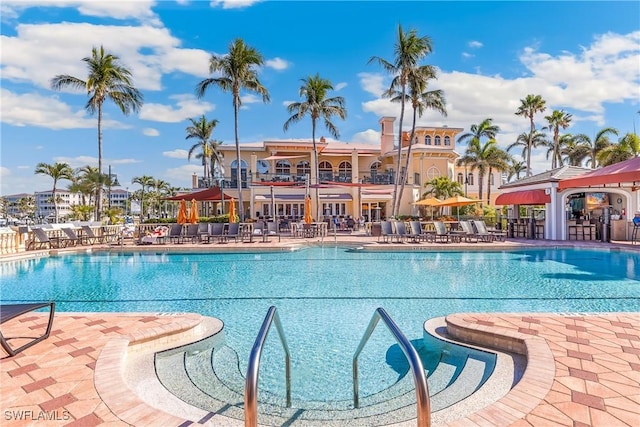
<point>460,178</point>
<point>470,179</point>
<point>427,140</point>
<point>303,168</point>
<point>326,171</point>
<point>283,168</point>
<point>344,172</point>
<point>432,173</point>
<point>437,140</point>
<point>447,141</point>
<point>262,166</point>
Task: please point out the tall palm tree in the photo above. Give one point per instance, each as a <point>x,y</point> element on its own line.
<point>408,51</point>
<point>421,99</point>
<point>442,187</point>
<point>595,146</point>
<point>529,106</point>
<point>557,120</point>
<point>515,169</point>
<point>107,79</point>
<point>527,142</point>
<point>627,147</point>
<point>485,129</point>
<point>317,106</point>
<point>201,130</point>
<point>570,150</point>
<point>56,171</point>
<point>238,71</point>
<point>145,182</point>
<point>497,159</point>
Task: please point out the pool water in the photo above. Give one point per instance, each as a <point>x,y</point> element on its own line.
<point>327,296</point>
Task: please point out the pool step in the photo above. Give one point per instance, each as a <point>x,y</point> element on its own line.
<point>212,381</point>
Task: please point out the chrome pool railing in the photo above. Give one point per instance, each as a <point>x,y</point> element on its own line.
<point>415,364</point>
<point>253,367</point>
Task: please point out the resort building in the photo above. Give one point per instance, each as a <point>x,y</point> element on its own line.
<point>353,179</point>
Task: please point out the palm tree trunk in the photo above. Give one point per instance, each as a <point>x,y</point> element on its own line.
<point>239,162</point>
<point>394,206</point>
<point>99,192</point>
<point>316,168</point>
<point>55,205</point>
<point>529,146</point>
<point>480,179</point>
<point>489,186</point>
<point>406,163</point>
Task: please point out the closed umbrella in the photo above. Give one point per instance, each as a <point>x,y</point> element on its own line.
<point>458,201</point>
<point>308,218</point>
<point>193,213</point>
<point>182,213</point>
<point>232,211</point>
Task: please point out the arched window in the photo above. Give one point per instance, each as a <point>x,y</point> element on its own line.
<point>344,172</point>
<point>470,178</point>
<point>438,140</point>
<point>460,178</point>
<point>326,171</point>
<point>447,141</point>
<point>303,168</point>
<point>283,168</point>
<point>234,173</point>
<point>427,140</point>
<point>263,166</point>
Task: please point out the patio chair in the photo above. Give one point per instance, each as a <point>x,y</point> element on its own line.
<point>175,233</point>
<point>272,230</point>
<point>469,232</point>
<point>42,240</point>
<point>442,235</point>
<point>191,232</point>
<point>216,231</point>
<point>11,311</point>
<point>417,234</point>
<point>233,232</point>
<point>72,238</point>
<point>481,227</point>
<point>203,230</point>
<point>109,234</point>
<point>386,232</point>
<point>90,237</point>
<point>401,233</point>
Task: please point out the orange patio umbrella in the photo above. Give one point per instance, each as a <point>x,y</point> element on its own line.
<point>431,201</point>
<point>232,211</point>
<point>193,212</point>
<point>182,213</point>
<point>458,201</point>
<point>308,218</point>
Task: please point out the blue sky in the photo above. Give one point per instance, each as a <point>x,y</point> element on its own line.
<point>582,57</point>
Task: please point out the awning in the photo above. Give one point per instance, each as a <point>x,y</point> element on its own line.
<point>284,157</point>
<point>525,197</point>
<point>280,198</point>
<point>330,197</point>
<point>211,194</point>
<point>626,173</point>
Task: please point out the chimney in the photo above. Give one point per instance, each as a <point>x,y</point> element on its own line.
<point>194,181</point>
<point>322,139</point>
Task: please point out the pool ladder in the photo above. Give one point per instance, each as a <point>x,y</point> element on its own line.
<point>415,364</point>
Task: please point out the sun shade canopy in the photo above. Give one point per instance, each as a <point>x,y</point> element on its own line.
<point>525,197</point>
<point>627,172</point>
<point>212,193</point>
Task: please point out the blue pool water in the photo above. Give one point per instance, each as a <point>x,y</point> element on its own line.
<point>326,297</point>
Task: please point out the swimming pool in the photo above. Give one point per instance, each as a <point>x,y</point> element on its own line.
<point>326,297</point>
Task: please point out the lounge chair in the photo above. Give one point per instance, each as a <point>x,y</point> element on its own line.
<point>469,233</point>
<point>72,237</point>
<point>442,234</point>
<point>386,232</point>
<point>109,234</point>
<point>203,230</point>
<point>191,232</point>
<point>216,231</point>
<point>11,311</point>
<point>417,234</point>
<point>42,240</point>
<point>233,232</point>
<point>272,230</point>
<point>481,227</point>
<point>401,233</point>
<point>175,233</point>
<point>90,237</point>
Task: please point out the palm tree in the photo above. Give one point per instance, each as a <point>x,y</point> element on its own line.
<point>529,106</point>
<point>442,187</point>
<point>145,181</point>
<point>421,99</point>
<point>238,71</point>
<point>570,150</point>
<point>27,206</point>
<point>515,169</point>
<point>627,148</point>
<point>107,79</point>
<point>595,146</point>
<point>160,189</point>
<point>409,49</point>
<point>201,130</point>
<point>486,129</point>
<point>317,106</point>
<point>57,171</point>
<point>556,121</point>
<point>527,141</point>
<point>497,159</point>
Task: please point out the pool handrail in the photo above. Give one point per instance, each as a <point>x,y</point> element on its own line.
<point>253,368</point>
<point>415,364</point>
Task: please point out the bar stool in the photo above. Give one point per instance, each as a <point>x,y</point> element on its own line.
<point>588,230</point>
<point>634,233</point>
<point>572,230</point>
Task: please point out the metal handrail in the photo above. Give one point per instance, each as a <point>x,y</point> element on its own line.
<point>251,383</point>
<point>419,378</point>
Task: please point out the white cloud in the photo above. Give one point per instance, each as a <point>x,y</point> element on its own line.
<point>76,162</point>
<point>186,106</point>
<point>176,154</point>
<point>250,98</point>
<point>373,83</point>
<point>32,109</point>
<point>181,176</point>
<point>233,4</point>
<point>368,136</point>
<point>340,86</point>
<point>474,44</point>
<point>4,172</point>
<point>277,64</point>
<point>150,132</point>
<point>139,9</point>
<point>467,55</point>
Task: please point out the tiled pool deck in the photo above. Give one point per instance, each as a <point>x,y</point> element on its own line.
<point>583,369</point>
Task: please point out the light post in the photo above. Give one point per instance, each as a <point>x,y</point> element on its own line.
<point>111,183</point>
<point>466,181</point>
